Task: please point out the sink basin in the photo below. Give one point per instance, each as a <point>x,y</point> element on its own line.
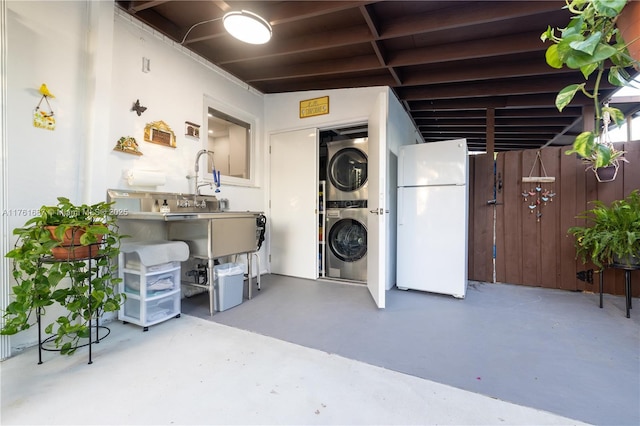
<point>219,234</point>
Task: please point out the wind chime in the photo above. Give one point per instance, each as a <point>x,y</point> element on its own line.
<point>537,191</point>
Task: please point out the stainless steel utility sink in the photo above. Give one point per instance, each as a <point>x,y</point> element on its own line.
<point>198,221</point>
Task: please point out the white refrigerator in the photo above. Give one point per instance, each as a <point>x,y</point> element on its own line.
<point>433,217</point>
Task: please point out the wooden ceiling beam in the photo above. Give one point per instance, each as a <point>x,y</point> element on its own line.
<point>411,77</point>
<point>521,132</point>
<point>314,69</point>
<point>281,13</point>
<point>508,86</point>
<point>373,24</point>
<point>162,24</point>
<point>371,20</point>
<point>473,49</point>
<point>138,6</point>
<point>503,112</point>
<point>500,121</point>
<point>545,100</point>
<point>471,14</point>
<point>422,76</point>
<point>319,84</point>
<point>477,140</point>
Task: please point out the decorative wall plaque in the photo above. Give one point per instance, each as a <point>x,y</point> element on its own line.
<point>159,132</point>
<point>313,107</point>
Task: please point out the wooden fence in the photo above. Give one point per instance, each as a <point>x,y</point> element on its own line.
<point>532,246</point>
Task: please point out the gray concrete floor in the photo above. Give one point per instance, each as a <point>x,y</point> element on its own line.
<point>553,350</point>
<point>339,360</point>
<point>192,371</point>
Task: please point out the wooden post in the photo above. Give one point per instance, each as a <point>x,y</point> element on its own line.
<point>491,131</point>
<point>588,118</point>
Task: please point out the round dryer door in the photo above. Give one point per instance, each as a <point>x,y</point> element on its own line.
<point>348,169</point>
<point>348,240</point>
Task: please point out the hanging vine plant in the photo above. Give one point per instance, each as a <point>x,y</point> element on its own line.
<point>592,43</point>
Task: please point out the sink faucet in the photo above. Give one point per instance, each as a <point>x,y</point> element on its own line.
<point>197,168</point>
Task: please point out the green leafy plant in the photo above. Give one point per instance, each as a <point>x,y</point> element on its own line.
<point>611,234</point>
<point>42,280</point>
<point>591,42</point>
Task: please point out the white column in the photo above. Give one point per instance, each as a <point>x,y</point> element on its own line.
<point>5,290</point>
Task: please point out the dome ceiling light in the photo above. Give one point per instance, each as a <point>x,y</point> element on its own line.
<point>247,26</point>
<point>244,25</point>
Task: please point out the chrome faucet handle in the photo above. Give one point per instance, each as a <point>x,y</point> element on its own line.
<point>184,203</point>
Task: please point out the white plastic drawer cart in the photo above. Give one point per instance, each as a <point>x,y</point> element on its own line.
<point>150,273</point>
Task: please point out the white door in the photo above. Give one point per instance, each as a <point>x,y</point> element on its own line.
<point>294,193</point>
<point>377,203</point>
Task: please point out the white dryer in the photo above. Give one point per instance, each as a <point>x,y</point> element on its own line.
<point>347,170</point>
<point>347,244</point>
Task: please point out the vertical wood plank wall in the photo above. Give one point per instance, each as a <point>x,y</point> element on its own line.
<point>481,184</point>
<point>540,253</point>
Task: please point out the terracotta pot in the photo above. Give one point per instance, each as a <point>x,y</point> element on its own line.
<point>629,25</point>
<point>71,247</point>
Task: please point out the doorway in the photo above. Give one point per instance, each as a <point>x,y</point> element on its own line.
<point>343,195</point>
<point>298,164</point>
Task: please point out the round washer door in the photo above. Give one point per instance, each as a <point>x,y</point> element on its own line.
<point>348,169</point>
<point>348,240</point>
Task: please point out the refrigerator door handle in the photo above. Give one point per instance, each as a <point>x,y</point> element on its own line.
<point>400,208</point>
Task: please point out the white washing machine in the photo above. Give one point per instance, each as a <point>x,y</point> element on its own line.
<point>346,250</point>
<point>347,170</point>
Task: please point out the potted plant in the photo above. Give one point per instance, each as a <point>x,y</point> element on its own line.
<point>611,234</point>
<point>47,270</point>
<point>592,43</point>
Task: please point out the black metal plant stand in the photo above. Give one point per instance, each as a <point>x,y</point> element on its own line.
<point>627,282</point>
<point>91,261</point>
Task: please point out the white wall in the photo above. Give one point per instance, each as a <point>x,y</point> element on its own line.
<point>173,91</point>
<point>282,111</point>
<point>89,53</point>
<point>400,131</point>
<point>46,43</point>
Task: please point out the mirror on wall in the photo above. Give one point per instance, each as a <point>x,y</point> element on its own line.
<point>229,138</point>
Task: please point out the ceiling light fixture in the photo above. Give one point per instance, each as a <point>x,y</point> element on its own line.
<point>247,26</point>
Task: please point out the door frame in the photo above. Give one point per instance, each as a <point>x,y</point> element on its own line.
<point>376,223</point>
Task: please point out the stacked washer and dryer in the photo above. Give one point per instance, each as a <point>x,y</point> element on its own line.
<point>346,200</point>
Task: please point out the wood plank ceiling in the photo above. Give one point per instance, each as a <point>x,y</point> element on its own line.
<point>455,65</point>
